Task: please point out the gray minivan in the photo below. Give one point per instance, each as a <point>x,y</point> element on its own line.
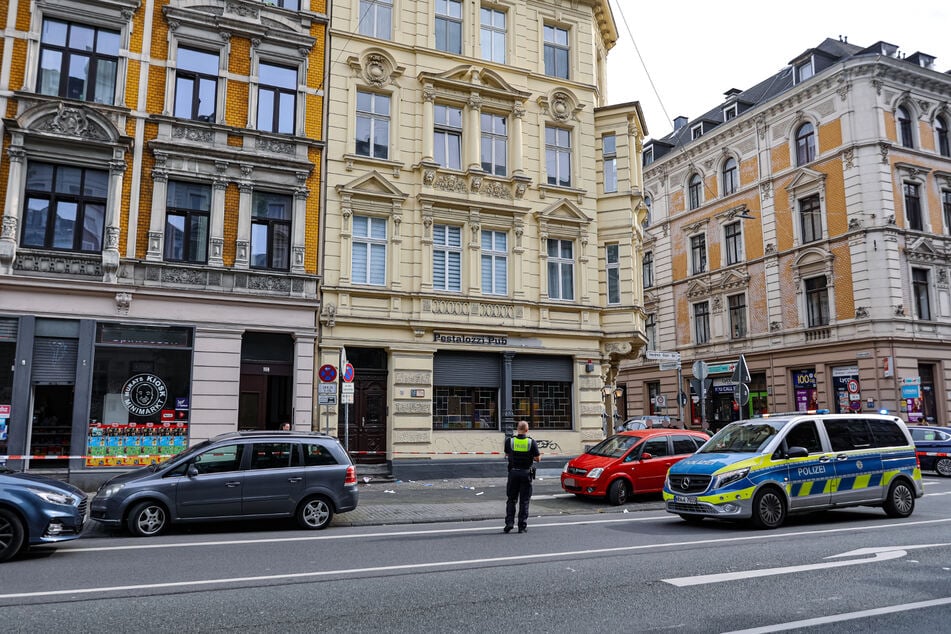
<point>237,475</point>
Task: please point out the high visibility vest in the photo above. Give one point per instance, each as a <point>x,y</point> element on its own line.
<point>522,445</point>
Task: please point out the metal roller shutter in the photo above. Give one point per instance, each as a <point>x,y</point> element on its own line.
<point>8,329</point>
<point>537,367</point>
<point>54,361</point>
<point>472,369</point>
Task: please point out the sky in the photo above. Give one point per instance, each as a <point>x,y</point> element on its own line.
<point>695,51</point>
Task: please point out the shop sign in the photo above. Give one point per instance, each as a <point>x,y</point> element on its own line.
<point>720,368</point>
<point>471,339</point>
<point>4,411</point>
<point>144,394</point>
<point>804,378</point>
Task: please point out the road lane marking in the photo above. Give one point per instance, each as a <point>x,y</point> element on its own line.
<point>845,616</point>
<point>454,563</point>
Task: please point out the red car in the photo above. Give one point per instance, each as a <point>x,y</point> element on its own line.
<point>629,462</point>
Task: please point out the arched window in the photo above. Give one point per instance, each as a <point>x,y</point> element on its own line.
<point>904,127</point>
<point>730,180</point>
<point>647,219</point>
<point>805,144</point>
<point>694,187</point>
<point>941,129</point>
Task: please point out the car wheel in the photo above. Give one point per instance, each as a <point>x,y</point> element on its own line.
<point>693,520</point>
<point>943,467</point>
<point>11,534</point>
<point>769,508</point>
<point>315,513</point>
<point>148,519</point>
<point>901,499</point>
<point>618,492</point>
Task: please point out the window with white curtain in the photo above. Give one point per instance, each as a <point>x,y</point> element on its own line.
<point>494,262</point>
<point>369,251</point>
<point>447,258</point>
<point>561,269</point>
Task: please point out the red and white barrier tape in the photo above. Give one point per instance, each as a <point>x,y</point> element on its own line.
<point>352,453</point>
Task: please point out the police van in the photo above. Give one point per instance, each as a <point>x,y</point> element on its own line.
<point>763,469</point>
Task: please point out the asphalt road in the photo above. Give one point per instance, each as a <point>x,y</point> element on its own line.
<point>839,571</point>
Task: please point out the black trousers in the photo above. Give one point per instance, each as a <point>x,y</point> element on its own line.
<point>518,489</point>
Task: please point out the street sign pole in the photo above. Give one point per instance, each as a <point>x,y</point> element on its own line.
<point>346,406</point>
<point>680,390</point>
<point>700,371</point>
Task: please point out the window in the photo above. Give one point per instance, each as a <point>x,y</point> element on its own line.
<point>817,302</point>
<point>683,445</point>
<point>701,322</point>
<point>544,404</point>
<point>556,52</point>
<point>805,144</point>
<point>613,274</point>
<point>369,250</point>
<point>271,231</point>
<point>730,179</point>
<point>804,70</point>
<point>919,287</point>
<point>694,193</point>
<point>655,447</point>
<point>376,17</point>
<point>277,98</point>
<point>647,269</point>
<point>273,455</point>
<point>733,237</point>
<point>494,262</point>
<point>290,5</point>
<point>463,407</point>
<point>449,26</point>
<point>447,258</point>
<point>650,331</point>
<point>558,156</point>
<point>729,112</point>
<point>373,125</point>
<point>492,35</point>
<point>186,222</point>
<point>648,156</point>
<point>196,85</point>
<point>810,219</point>
<point>447,133</point>
<point>317,455</point>
<point>647,219</point>
<point>737,304</point>
<point>696,131</point>
<point>561,269</point>
<point>805,435</point>
<point>65,207</point>
<point>78,62</point>
<point>946,206</point>
<point>904,127</point>
<point>609,151</point>
<point>495,145</point>
<point>698,253</point>
<point>941,130</point>
<point>219,459</point>
<point>913,206</point>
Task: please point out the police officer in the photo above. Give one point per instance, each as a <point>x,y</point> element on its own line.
<point>522,454</point>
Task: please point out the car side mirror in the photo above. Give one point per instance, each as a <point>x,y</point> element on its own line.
<point>192,471</point>
<point>646,456</point>
<point>797,452</point>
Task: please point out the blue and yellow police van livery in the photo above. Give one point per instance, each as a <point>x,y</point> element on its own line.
<point>766,468</point>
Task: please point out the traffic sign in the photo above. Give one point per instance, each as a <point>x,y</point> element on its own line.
<point>668,365</point>
<point>700,369</point>
<point>348,373</point>
<point>660,400</point>
<point>741,393</point>
<point>658,355</point>
<point>346,398</point>
<point>852,385</point>
<point>326,399</point>
<point>346,388</point>
<point>327,373</point>
<point>742,373</point>
<point>327,388</point>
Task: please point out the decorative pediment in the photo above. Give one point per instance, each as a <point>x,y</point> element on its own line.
<point>922,250</point>
<point>376,67</point>
<point>69,121</point>
<point>255,20</point>
<point>805,178</point>
<point>371,185</point>
<point>651,299</point>
<point>468,78</point>
<point>560,104</point>
<point>733,279</point>
<point>698,289</point>
<point>563,211</point>
<point>813,256</point>
<point>696,227</point>
<point>913,172</point>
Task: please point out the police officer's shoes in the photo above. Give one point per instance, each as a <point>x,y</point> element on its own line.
<point>523,530</point>
<point>507,529</point>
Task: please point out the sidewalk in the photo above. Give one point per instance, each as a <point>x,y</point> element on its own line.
<point>452,500</point>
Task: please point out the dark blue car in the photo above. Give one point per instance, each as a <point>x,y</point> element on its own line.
<point>35,510</point>
<point>933,445</point>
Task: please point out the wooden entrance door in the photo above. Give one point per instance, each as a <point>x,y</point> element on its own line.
<point>368,416</point>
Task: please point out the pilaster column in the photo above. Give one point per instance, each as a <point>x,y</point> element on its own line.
<point>516,140</point>
<point>11,215</point>
<point>156,241</point>
<point>474,127</point>
<point>298,223</point>
<point>110,249</point>
<point>429,97</point>
<point>243,243</point>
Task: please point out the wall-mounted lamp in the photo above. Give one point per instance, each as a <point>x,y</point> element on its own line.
<point>618,392</point>
<point>589,366</point>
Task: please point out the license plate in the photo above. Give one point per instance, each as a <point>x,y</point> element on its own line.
<point>570,482</point>
<point>685,499</point>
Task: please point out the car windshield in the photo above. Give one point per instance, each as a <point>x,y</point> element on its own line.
<point>615,446</point>
<point>751,438</point>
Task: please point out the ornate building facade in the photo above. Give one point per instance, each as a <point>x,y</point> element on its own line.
<point>805,223</point>
<point>160,178</point>
<point>478,258</point>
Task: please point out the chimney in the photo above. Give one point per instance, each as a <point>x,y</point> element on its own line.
<point>679,122</point>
